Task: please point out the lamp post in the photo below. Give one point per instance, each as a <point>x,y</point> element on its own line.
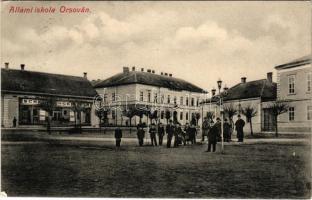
<point>213,92</point>
<point>219,82</point>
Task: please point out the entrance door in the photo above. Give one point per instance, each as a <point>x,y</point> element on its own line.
<point>56,115</point>
<point>268,120</point>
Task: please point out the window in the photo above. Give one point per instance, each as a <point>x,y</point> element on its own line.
<point>113,96</point>
<point>181,100</point>
<point>162,98</point>
<point>149,96</point>
<point>309,112</point>
<point>291,84</point>
<point>168,99</point>
<point>197,102</point>
<point>291,113</point>
<point>186,101</point>
<point>113,114</point>
<point>181,115</point>
<point>175,100</point>
<point>141,96</point>
<point>105,98</point>
<point>309,80</point>
<point>186,116</point>
<point>162,114</point>
<point>155,98</point>
<point>192,102</point>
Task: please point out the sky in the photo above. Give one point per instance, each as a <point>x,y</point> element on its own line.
<point>197,41</point>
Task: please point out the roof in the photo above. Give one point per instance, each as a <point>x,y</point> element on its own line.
<point>305,60</point>
<point>147,78</point>
<point>24,81</point>
<point>263,89</point>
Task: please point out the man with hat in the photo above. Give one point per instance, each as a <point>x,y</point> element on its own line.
<point>239,126</point>
<point>170,132</point>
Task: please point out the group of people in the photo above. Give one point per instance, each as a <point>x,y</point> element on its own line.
<point>213,131</point>
<point>186,135</point>
<point>173,131</point>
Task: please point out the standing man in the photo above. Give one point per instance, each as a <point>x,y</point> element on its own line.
<point>161,133</point>
<point>177,135</point>
<point>152,131</point>
<point>239,126</point>
<point>205,128</point>
<point>226,131</point>
<point>170,132</point>
<point>187,131</point>
<point>141,134</point>
<point>193,133</point>
<point>118,136</point>
<point>213,135</point>
<point>14,122</point>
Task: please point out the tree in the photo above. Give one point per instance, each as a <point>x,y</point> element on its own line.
<point>78,107</point>
<point>197,117</point>
<point>154,115</point>
<point>167,115</point>
<point>277,108</point>
<point>230,111</point>
<point>49,106</point>
<point>210,115</point>
<point>249,112</point>
<point>102,115</point>
<point>129,112</point>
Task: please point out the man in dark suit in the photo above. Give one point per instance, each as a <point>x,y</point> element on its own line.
<point>239,126</point>
<point>213,135</point>
<point>170,132</point>
<point>161,133</point>
<point>152,131</point>
<point>118,136</point>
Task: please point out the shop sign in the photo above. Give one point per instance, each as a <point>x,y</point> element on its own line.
<point>63,104</point>
<point>30,101</point>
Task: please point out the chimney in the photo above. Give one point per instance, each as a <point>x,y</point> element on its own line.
<point>6,65</point>
<point>84,74</point>
<point>243,80</point>
<point>170,75</point>
<point>142,69</point>
<point>125,69</point>
<point>153,71</point>
<point>161,73</point>
<point>22,67</point>
<point>133,68</point>
<point>269,77</point>
<point>166,74</point>
<point>149,71</point>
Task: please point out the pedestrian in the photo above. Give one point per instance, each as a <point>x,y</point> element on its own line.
<point>187,131</point>
<point>118,136</point>
<point>161,133</point>
<point>14,122</point>
<point>177,135</point>
<point>170,132</point>
<point>152,131</point>
<point>213,135</point>
<point>141,134</point>
<point>205,128</point>
<point>239,126</point>
<point>193,133</point>
<point>226,131</point>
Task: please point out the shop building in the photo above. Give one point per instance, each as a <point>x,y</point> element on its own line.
<point>30,96</point>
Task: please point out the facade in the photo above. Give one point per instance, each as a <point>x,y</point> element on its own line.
<point>25,96</point>
<point>294,82</point>
<point>149,91</point>
<point>257,94</point>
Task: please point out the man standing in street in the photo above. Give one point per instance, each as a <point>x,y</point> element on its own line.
<point>118,136</point>
<point>141,134</point>
<point>213,135</point>
<point>205,128</point>
<point>193,133</point>
<point>152,131</point>
<point>170,132</point>
<point>239,126</point>
<point>161,133</point>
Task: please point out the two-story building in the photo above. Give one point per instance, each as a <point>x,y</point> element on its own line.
<point>25,96</point>
<point>257,94</point>
<point>161,92</point>
<point>294,85</point>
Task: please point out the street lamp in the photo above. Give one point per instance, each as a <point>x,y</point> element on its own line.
<point>219,82</point>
